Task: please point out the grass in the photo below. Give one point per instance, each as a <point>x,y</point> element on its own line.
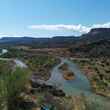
<point>12,83</point>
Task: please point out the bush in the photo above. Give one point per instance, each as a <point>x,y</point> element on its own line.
<point>11,85</point>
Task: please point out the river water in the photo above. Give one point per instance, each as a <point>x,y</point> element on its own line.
<point>3,51</point>
<point>80,85</point>
<point>18,63</point>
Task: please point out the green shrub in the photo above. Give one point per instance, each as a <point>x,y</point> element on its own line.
<point>11,85</point>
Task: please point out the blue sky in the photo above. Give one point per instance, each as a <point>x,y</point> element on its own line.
<point>46,18</point>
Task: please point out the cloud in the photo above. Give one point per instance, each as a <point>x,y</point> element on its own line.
<point>9,35</point>
<point>106,25</point>
<point>3,35</point>
<point>76,28</point>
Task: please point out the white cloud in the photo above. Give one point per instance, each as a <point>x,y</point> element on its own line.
<point>9,35</point>
<point>3,35</point>
<point>106,25</point>
<point>77,28</point>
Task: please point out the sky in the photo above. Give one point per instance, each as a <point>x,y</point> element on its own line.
<point>48,18</point>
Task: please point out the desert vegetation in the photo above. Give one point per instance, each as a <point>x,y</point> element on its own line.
<point>41,65</point>
<point>17,91</point>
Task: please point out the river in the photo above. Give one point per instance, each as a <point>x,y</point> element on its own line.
<point>80,85</point>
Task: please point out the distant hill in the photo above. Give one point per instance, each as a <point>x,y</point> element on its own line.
<point>96,49</point>
<point>62,41</point>
<point>96,43</point>
<point>29,41</point>
<point>95,35</point>
<point>54,42</point>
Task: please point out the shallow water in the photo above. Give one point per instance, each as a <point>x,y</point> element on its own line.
<point>3,51</point>
<point>20,64</point>
<point>80,85</point>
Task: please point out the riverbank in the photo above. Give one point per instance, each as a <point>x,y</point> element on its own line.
<point>97,70</point>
